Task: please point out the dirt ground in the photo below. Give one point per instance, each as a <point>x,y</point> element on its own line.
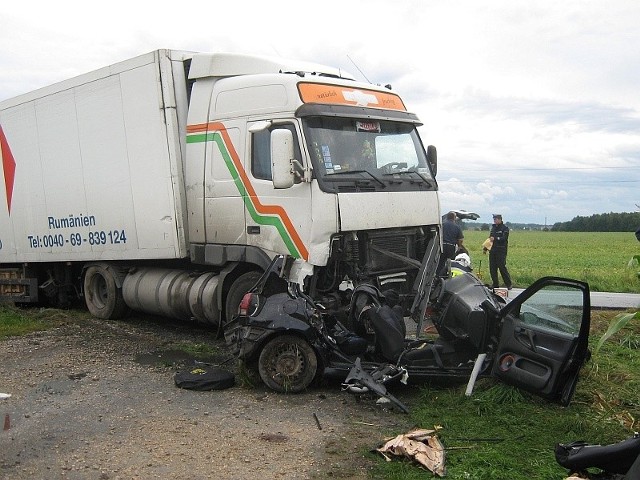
<point>96,399</point>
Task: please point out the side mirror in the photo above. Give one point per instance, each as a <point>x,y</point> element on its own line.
<point>432,158</point>
<point>282,158</point>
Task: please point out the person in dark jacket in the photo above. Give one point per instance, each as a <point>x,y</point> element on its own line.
<point>499,237</point>
<point>452,238</point>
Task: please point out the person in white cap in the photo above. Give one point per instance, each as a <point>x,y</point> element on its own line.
<point>461,264</point>
<point>499,237</point>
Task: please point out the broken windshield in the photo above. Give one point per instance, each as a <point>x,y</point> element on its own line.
<point>370,150</point>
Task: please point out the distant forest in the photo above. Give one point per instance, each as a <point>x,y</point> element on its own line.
<point>602,222</point>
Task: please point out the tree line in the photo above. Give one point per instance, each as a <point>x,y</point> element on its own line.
<point>601,222</point>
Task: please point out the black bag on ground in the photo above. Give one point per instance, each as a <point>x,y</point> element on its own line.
<point>203,377</point>
<point>614,458</point>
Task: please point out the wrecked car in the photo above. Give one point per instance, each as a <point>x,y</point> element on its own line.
<point>537,341</point>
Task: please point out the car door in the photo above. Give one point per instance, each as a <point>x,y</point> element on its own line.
<point>544,338</point>
<point>423,282</point>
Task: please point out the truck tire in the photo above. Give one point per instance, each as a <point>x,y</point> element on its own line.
<point>101,294</point>
<point>239,287</point>
<point>287,363</point>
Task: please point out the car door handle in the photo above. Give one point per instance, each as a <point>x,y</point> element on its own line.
<point>253,230</point>
<point>526,337</point>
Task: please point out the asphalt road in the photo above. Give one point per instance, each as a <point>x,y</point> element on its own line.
<point>602,300</point>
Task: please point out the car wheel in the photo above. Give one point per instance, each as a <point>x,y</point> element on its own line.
<point>287,363</point>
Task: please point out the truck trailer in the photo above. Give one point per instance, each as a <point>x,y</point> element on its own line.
<point>166,183</point>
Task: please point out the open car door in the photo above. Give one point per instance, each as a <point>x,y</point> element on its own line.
<point>424,281</point>
<point>544,338</point>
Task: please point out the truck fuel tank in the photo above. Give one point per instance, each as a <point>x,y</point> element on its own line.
<point>173,293</point>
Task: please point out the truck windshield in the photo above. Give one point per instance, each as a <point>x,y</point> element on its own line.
<point>378,152</point>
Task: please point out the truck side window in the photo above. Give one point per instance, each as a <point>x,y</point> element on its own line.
<point>261,151</point>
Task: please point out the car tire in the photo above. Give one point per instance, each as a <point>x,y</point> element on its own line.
<point>287,363</point>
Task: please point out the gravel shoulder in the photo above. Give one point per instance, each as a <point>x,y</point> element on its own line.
<point>96,399</point>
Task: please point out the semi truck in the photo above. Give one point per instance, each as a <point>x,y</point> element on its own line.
<point>166,184</point>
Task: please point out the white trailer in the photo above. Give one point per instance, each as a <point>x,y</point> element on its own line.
<point>167,182</point>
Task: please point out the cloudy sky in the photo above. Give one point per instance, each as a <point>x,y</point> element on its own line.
<point>534,106</point>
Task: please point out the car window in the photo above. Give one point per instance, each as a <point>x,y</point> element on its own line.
<point>554,307</point>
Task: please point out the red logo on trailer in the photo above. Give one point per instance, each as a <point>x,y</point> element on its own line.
<point>8,167</point>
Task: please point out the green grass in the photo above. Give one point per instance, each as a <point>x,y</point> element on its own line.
<point>500,433</point>
<point>16,321</point>
<point>198,350</point>
<point>599,258</point>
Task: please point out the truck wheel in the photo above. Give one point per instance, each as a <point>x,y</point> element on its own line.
<point>287,363</point>
<point>102,295</point>
<point>239,287</point>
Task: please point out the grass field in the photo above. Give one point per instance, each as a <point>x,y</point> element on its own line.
<point>599,258</point>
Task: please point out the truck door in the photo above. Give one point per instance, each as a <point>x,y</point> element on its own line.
<point>224,210</point>
<point>543,339</point>
<point>278,220</point>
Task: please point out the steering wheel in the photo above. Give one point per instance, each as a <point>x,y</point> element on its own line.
<point>391,166</point>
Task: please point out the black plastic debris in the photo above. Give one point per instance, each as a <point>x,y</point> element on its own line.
<point>203,377</point>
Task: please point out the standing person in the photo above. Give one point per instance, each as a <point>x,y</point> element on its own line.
<point>451,240</point>
<point>499,237</point>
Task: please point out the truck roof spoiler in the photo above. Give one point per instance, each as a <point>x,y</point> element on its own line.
<point>233,64</point>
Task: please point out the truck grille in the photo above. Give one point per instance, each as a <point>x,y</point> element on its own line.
<point>399,244</point>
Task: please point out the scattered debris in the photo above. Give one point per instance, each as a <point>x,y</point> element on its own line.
<point>7,421</point>
<point>474,373</point>
<point>315,417</point>
<point>274,437</point>
<point>422,446</point>
<point>616,459</point>
<point>204,378</point>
